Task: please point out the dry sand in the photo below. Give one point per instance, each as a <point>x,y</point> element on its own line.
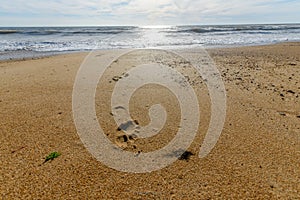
<point>257,155</point>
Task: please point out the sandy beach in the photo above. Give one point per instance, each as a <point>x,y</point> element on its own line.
<point>256,157</point>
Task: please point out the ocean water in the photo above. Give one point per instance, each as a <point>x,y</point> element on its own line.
<point>25,42</point>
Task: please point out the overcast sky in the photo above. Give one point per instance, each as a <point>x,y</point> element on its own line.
<point>146,12</point>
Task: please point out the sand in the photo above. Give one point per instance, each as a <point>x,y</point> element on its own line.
<point>256,157</point>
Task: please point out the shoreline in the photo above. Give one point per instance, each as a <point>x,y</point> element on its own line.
<point>30,55</point>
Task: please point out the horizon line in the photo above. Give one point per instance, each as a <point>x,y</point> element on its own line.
<point>212,24</point>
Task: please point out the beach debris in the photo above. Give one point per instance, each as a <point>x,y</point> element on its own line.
<point>116,78</point>
<point>291,92</point>
<point>182,154</point>
<point>282,114</point>
<point>52,156</point>
<point>292,64</point>
<point>186,155</point>
<point>19,149</point>
<point>298,116</point>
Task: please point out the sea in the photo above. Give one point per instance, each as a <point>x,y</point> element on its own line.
<point>22,42</point>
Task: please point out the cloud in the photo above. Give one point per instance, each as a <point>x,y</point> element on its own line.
<point>126,12</point>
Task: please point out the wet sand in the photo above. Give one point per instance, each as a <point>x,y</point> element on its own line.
<point>257,155</point>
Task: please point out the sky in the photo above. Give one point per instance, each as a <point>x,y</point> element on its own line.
<point>146,12</point>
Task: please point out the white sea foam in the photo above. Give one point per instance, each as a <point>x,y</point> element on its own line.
<point>65,39</point>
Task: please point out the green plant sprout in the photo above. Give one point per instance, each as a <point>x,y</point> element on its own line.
<point>52,156</point>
